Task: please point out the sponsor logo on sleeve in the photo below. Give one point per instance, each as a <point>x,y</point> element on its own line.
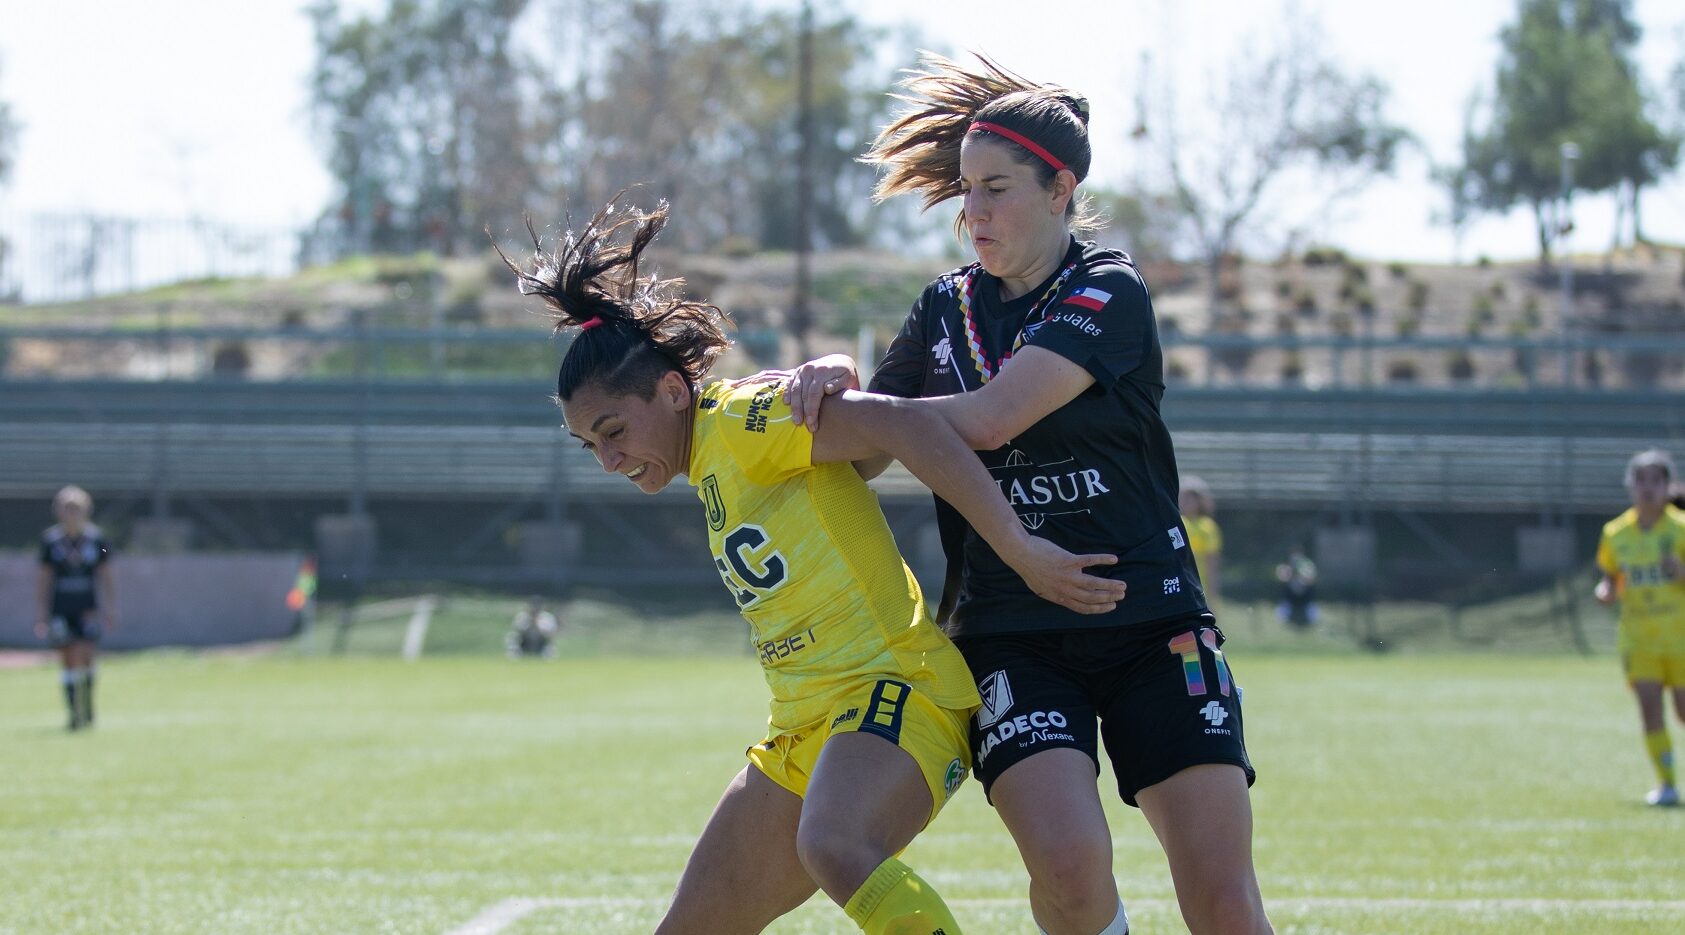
<point>759,405</point>
<point>1088,297</point>
<point>1077,320</point>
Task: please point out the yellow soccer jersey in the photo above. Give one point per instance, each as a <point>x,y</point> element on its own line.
<point>808,556</point>
<point>1652,607</point>
<point>1204,538</point>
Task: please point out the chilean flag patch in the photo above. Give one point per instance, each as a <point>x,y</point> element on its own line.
<point>1090,298</point>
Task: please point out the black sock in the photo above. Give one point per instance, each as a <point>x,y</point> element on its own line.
<point>71,683</point>
<point>88,695</point>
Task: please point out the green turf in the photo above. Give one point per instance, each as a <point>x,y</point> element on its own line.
<point>300,793</point>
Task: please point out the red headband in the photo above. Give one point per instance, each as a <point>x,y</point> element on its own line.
<point>590,323</point>
<point>1020,139</point>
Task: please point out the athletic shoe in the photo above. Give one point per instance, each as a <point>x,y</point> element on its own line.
<point>1663,796</point>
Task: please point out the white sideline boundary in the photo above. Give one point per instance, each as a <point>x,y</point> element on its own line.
<point>501,915</point>
<point>415,635</point>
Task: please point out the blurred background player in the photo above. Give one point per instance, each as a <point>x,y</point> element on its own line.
<point>1205,538</point>
<point>75,597</point>
<point>867,736</point>
<point>1298,589</point>
<point>1642,557</point>
<point>533,631</point>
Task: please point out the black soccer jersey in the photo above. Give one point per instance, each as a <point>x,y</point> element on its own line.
<point>73,561</point>
<point>1096,475</point>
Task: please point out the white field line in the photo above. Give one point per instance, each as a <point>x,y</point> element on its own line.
<point>416,633</point>
<point>506,913</point>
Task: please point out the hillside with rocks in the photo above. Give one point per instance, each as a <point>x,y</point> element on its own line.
<point>1432,317</point>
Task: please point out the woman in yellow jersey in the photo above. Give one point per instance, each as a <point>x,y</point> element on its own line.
<point>1205,537</point>
<point>870,701</point>
<point>1642,557</point>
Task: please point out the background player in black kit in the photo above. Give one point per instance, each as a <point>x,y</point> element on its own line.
<point>1071,431</point>
<point>75,596</point>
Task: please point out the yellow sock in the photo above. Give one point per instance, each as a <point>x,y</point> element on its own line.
<point>894,901</point>
<point>1661,754</point>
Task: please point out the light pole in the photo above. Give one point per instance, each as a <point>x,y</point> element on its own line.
<point>1565,268</point>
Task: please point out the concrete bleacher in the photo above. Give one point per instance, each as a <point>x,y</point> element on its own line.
<point>1288,448</point>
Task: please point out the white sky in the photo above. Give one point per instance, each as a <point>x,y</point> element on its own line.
<point>173,107</point>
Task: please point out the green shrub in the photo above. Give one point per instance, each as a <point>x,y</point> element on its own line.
<point>1402,370</point>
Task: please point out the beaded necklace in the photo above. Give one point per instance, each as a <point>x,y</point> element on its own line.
<point>986,370</point>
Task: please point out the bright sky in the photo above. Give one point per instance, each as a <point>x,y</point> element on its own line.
<point>178,107</point>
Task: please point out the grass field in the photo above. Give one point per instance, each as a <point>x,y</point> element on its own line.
<point>294,792</point>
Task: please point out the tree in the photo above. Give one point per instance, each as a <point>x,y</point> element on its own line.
<point>442,117</point>
<point>1285,109</point>
<point>8,141</point>
<point>848,101</point>
<point>697,102</point>
<point>1566,75</point>
<point>420,108</point>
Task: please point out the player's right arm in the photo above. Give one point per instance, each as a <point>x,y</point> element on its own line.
<point>1608,588</point>
<point>861,425</point>
<point>900,373</point>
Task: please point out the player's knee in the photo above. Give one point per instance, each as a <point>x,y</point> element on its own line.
<point>834,854</point>
<point>1076,880</point>
<point>1231,908</point>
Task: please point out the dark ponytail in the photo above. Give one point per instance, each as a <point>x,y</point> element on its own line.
<point>632,330</point>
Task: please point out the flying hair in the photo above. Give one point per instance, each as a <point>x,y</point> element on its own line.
<point>920,150</point>
<point>632,328</point>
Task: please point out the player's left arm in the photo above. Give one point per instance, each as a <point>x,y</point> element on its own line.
<point>1673,557</point>
<point>107,584</point>
<point>1028,389</point>
<point>859,425</point>
<point>1098,334</point>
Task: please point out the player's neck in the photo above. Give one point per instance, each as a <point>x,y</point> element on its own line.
<point>1012,287</point>
<point>1648,515</point>
<point>689,436</point>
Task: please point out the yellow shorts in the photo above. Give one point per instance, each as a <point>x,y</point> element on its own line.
<point>1666,668</point>
<point>937,738</point>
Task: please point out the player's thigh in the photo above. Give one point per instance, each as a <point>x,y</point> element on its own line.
<point>882,776</point>
<point>743,872</point>
<point>1050,803</point>
<point>1203,819</point>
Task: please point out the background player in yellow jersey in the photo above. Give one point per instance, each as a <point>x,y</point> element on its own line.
<point>1642,557</point>
<point>1205,537</point>
<point>868,733</point>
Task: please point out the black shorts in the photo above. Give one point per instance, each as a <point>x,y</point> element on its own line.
<point>75,626</point>
<point>1162,694</point>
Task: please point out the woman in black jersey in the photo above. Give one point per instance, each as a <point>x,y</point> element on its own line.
<point>74,597</point>
<point>1045,356</point>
